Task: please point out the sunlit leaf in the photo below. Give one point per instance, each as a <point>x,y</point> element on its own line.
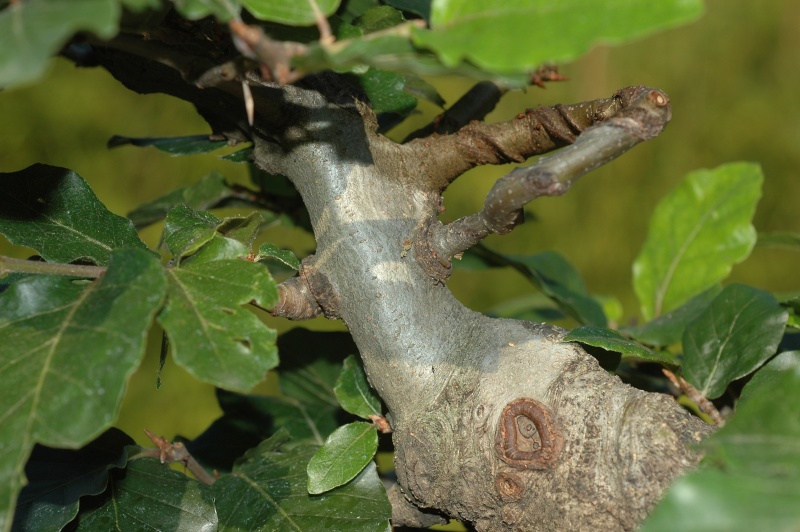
<point>353,391</point>
<point>737,333</point>
<point>748,480</point>
<point>32,32</point>
<point>174,145</point>
<point>292,12</point>
<point>150,496</point>
<point>273,479</point>
<point>223,10</point>
<point>535,32</point>
<point>697,233</point>
<point>58,478</point>
<point>211,335</point>
<point>67,349</point>
<point>668,328</point>
<point>53,211</point>
<point>343,456</point>
<point>611,340</point>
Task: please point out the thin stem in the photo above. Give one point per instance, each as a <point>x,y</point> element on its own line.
<point>702,402</point>
<point>553,175</point>
<point>11,265</point>
<point>175,452</point>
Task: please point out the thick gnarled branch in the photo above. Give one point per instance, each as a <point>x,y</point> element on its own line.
<point>643,119</point>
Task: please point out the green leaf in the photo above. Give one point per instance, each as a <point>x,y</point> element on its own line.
<point>204,194</point>
<point>418,7</point>
<point>273,478</point>
<point>67,350</point>
<point>420,88</point>
<point>244,229</point>
<point>223,10</point>
<point>53,211</point>
<point>535,32</point>
<point>211,335</point>
<point>783,239</point>
<point>343,456</point>
<point>379,18</point>
<point>668,328</point>
<point>353,391</point>
<point>190,145</point>
<point>187,230</point>
<point>531,307</point>
<point>273,252</point>
<point>735,335</point>
<point>611,340</point>
<point>58,478</point>
<point>150,496</point>
<point>291,12</point>
<point>749,478</point>
<point>386,91</point>
<point>696,235</point>
<point>32,32</point>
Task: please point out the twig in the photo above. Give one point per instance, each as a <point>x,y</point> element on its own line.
<point>295,301</point>
<point>11,265</point>
<point>552,175</point>
<point>706,406</point>
<point>176,452</point>
<point>275,57</point>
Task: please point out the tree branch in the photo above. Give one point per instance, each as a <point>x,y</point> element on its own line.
<point>553,175</point>
<point>534,132</point>
<point>11,265</point>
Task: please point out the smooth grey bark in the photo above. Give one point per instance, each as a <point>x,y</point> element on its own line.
<point>495,421</point>
<point>599,452</point>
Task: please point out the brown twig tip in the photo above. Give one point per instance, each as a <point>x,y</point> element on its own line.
<point>169,453</point>
<point>382,423</point>
<point>702,402</point>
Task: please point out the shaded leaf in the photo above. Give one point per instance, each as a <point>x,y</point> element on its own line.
<point>289,12</point>
<point>696,234</point>
<point>738,331</point>
<point>244,229</point>
<point>150,496</point>
<point>58,478</point>
<point>204,194</point>
<point>53,211</point>
<point>32,32</point>
<point>343,456</point>
<point>611,340</point>
<point>245,155</point>
<point>223,10</point>
<point>534,33</point>
<point>211,335</point>
<point>272,252</point>
<point>190,145</point>
<point>273,479</point>
<point>353,391</point>
<point>418,7</point>
<point>187,230</point>
<point>532,307</point>
<point>668,328</point>
<point>67,349</point>
<point>420,88</point>
<point>386,91</point>
<point>748,481</point>
<point>785,239</point>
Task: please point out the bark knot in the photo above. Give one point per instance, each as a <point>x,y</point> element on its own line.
<point>528,436</point>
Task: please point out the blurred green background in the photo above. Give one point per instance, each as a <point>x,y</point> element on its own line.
<point>733,77</point>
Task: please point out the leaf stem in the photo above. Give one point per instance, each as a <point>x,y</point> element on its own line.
<point>11,265</point>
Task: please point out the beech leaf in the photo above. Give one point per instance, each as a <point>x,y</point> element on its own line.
<point>697,233</point>
<point>353,391</point>
<point>344,455</point>
<point>53,211</point>
<point>284,256</point>
<point>58,478</point>
<point>748,480</point>
<point>273,479</point>
<point>187,230</point>
<point>190,145</point>
<point>211,335</point>
<point>67,350</point>
<point>738,331</point>
<point>291,12</point>
<point>150,493</point>
<point>536,32</point>
<point>32,32</point>
<point>611,340</point>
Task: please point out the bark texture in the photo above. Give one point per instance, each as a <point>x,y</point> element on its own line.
<point>496,422</point>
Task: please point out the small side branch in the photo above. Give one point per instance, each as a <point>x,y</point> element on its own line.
<point>553,175</point>
<point>10,265</point>
<point>169,453</point>
<point>295,301</point>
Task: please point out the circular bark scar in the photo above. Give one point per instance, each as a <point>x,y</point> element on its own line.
<point>658,98</point>
<point>527,435</point>
<point>509,486</point>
